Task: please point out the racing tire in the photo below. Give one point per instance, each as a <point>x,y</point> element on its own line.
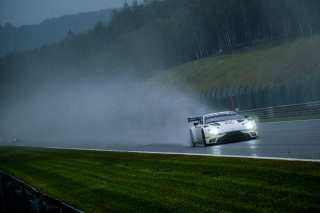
<point>191,139</point>
<point>204,138</point>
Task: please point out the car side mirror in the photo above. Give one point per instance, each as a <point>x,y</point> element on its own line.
<point>195,124</point>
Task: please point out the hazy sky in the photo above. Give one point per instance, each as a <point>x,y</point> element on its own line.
<point>19,12</point>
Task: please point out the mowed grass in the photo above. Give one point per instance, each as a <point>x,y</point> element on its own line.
<point>290,61</point>
<point>130,182</point>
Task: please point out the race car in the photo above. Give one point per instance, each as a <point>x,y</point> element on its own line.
<point>221,127</point>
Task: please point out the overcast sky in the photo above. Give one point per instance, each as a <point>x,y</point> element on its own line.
<point>19,12</point>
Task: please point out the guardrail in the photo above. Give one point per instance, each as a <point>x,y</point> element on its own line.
<point>16,196</point>
<point>258,96</point>
<point>285,110</point>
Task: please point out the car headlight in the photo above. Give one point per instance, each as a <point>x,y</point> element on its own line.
<point>249,125</point>
<point>214,131</point>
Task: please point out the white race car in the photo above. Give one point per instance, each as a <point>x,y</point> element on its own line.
<point>221,127</point>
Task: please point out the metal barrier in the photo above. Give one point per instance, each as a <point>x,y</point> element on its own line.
<point>16,197</point>
<point>262,96</point>
<point>285,110</point>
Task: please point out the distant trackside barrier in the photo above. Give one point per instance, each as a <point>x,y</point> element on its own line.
<point>294,93</point>
<point>16,196</point>
<point>285,111</point>
<point>284,99</point>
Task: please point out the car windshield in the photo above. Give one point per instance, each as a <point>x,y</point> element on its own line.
<point>218,118</point>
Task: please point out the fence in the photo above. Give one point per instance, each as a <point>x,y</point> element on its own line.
<point>286,110</point>
<point>263,96</point>
<point>16,196</point>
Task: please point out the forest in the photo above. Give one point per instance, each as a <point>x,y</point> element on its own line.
<point>48,31</point>
<point>143,39</point>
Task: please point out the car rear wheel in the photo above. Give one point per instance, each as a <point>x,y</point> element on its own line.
<point>191,139</point>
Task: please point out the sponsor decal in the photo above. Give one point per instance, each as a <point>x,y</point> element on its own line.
<point>228,122</point>
<point>220,114</point>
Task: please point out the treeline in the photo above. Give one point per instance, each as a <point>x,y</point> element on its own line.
<point>49,31</point>
<point>142,39</point>
<point>176,31</point>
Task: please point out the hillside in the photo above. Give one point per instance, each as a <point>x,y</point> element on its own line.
<point>144,39</point>
<point>290,61</point>
<point>48,31</point>
<point>215,43</point>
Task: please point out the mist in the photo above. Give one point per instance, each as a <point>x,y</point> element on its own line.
<point>19,12</point>
<point>91,114</point>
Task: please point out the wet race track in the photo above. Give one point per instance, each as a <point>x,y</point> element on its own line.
<point>294,139</point>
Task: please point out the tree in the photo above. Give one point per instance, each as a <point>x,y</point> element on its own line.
<point>70,34</point>
<point>135,4</point>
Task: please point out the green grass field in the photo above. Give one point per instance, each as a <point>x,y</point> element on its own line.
<point>288,61</point>
<point>122,182</point>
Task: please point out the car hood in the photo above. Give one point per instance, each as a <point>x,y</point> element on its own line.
<point>229,125</point>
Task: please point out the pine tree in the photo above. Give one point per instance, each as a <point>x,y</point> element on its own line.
<point>135,4</point>
<point>70,34</point>
<point>126,6</point>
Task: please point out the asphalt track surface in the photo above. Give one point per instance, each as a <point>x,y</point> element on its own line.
<point>293,139</point>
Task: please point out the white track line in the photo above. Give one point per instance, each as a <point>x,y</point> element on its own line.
<point>188,154</point>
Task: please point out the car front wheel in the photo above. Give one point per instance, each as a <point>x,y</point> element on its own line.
<point>204,138</point>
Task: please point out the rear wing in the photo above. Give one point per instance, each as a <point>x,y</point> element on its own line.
<point>195,119</point>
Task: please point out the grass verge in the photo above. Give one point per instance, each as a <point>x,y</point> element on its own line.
<point>122,182</point>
